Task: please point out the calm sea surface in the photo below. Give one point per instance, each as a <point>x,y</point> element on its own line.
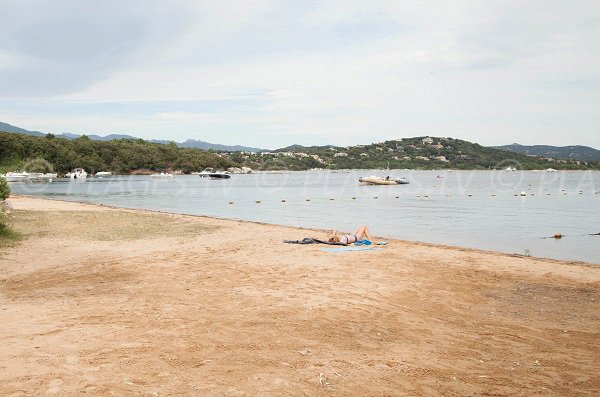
<point>476,209</point>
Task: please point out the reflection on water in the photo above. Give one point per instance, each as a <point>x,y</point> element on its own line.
<point>478,209</point>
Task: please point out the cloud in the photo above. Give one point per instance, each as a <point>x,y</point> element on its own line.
<point>275,73</point>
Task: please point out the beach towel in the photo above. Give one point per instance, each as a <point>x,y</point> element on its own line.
<point>350,248</point>
<point>309,240</point>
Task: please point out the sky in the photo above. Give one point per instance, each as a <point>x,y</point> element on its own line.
<point>270,74</point>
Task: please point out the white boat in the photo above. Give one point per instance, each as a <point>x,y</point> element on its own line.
<point>16,176</point>
<point>510,169</point>
<point>77,174</point>
<point>103,174</point>
<point>551,170</point>
<point>377,180</point>
<point>162,175</point>
<point>41,177</point>
<point>210,173</point>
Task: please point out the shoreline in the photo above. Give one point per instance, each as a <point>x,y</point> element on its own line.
<point>110,301</point>
<point>323,231</point>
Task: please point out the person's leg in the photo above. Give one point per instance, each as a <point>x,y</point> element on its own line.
<point>361,232</point>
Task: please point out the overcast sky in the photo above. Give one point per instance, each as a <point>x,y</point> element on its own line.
<point>273,73</point>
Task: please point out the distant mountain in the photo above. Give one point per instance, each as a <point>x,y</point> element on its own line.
<point>11,128</point>
<point>584,153</point>
<point>190,143</point>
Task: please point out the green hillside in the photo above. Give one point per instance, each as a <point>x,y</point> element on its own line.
<point>413,153</point>
<point>42,154</point>
<point>123,156</point>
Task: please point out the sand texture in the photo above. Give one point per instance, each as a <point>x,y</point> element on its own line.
<point>109,302</point>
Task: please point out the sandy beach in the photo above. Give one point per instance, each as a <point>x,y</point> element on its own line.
<point>108,302</point>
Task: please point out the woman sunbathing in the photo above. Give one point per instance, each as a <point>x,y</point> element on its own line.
<point>358,234</point>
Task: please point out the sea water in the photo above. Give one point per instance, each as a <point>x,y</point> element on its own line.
<point>475,209</point>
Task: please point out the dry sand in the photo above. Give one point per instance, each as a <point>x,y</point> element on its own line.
<point>110,302</point>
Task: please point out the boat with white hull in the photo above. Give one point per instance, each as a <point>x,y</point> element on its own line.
<point>77,174</point>
<point>210,173</point>
<point>377,180</point>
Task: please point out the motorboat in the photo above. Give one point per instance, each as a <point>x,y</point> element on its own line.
<point>77,173</point>
<point>510,169</point>
<point>162,175</point>
<point>377,180</point>
<point>210,173</point>
<point>16,176</point>
<point>103,174</point>
<point>41,177</point>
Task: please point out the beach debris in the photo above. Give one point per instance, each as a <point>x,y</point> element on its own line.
<point>321,381</point>
<point>536,363</point>
<point>305,352</point>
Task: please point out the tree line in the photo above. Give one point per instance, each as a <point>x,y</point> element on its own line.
<point>51,154</point>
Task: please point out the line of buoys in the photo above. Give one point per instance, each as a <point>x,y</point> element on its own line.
<point>522,194</point>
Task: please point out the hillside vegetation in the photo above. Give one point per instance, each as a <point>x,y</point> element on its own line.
<point>413,153</point>
<point>48,153</point>
<point>584,153</point>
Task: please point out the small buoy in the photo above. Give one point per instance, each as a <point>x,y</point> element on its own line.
<point>523,193</point>
<point>231,202</point>
<point>257,201</point>
<point>557,235</point>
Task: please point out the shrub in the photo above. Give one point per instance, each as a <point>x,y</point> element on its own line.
<point>4,189</point>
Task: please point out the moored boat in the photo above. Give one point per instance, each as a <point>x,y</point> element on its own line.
<point>103,174</point>
<point>162,175</point>
<point>377,180</point>
<point>16,176</point>
<point>77,174</point>
<point>210,173</point>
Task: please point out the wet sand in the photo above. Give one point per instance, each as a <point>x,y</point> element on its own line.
<point>110,302</point>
